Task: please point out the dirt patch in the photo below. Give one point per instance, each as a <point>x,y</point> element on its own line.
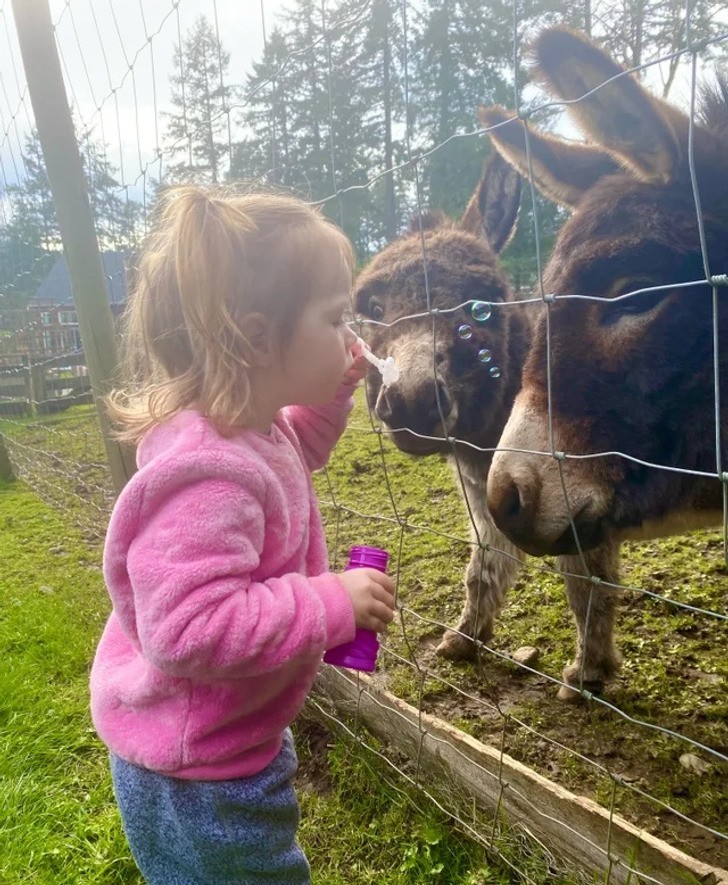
<point>313,743</point>
<point>584,747</point>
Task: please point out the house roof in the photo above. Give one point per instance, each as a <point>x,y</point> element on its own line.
<point>56,287</point>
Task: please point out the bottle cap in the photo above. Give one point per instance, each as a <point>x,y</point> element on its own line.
<point>368,557</point>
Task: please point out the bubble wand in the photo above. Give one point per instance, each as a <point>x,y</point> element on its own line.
<point>387,367</point>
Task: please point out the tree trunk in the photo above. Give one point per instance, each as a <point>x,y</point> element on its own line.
<point>390,206</point>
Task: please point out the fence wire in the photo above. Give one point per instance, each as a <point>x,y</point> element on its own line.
<point>615,747</point>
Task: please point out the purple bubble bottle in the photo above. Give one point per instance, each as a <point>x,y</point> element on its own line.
<point>361,652</point>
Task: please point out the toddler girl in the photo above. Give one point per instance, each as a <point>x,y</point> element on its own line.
<point>240,378</point>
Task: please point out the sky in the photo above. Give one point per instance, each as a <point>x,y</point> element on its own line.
<point>99,40</point>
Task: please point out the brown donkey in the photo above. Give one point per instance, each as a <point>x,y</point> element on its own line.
<point>459,376</point>
<point>632,376</point>
<point>459,364</point>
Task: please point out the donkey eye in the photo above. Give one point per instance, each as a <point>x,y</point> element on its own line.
<point>375,310</point>
<point>634,305</point>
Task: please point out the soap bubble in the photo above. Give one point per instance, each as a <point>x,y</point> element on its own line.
<point>494,372</point>
<point>484,355</point>
<point>465,332</point>
<point>481,311</point>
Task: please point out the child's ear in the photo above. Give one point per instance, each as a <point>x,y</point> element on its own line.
<point>259,333</point>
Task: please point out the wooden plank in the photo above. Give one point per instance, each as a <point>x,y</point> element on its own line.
<point>68,359</point>
<point>17,390</point>
<point>75,386</point>
<point>574,827</point>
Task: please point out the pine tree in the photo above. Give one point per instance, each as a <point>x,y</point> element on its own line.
<point>310,116</point>
<point>634,31</point>
<point>384,112</point>
<point>30,238</point>
<point>266,151</point>
<point>31,201</point>
<point>117,218</point>
<point>198,130</point>
<point>365,104</point>
<point>460,60</point>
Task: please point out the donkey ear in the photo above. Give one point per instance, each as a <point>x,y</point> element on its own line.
<point>609,104</point>
<point>493,209</point>
<point>562,171</point>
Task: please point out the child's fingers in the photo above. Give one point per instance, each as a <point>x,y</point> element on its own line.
<point>383,611</point>
<point>360,365</point>
<point>384,589</point>
<point>381,607</point>
<point>358,348</point>
<point>379,617</point>
<point>357,371</point>
<point>381,597</point>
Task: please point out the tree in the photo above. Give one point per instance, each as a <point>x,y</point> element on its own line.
<point>198,131</point>
<point>117,220</point>
<point>31,201</point>
<point>324,108</point>
<point>635,31</point>
<point>367,113</point>
<point>30,239</point>
<point>460,60</point>
<point>380,59</point>
<point>318,114</point>
<point>266,151</point>
<point>23,264</point>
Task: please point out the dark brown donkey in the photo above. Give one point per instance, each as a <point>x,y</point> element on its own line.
<point>458,379</point>
<point>459,366</point>
<point>633,374</point>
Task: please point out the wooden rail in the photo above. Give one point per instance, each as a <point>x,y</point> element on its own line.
<point>38,387</point>
<point>576,828</point>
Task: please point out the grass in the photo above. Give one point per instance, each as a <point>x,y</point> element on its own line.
<point>674,673</point>
<point>58,820</point>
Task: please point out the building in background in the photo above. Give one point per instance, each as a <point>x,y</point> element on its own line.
<point>48,327</point>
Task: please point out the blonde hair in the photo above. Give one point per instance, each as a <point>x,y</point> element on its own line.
<point>212,258</point>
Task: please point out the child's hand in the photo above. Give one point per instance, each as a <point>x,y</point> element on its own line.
<point>372,595</point>
<point>360,367</point>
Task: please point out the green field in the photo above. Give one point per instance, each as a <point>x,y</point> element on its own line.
<point>674,675</point>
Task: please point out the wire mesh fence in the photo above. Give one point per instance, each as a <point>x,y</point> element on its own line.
<point>368,108</point>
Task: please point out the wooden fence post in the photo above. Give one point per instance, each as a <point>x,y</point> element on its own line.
<point>28,379</point>
<point>6,467</point>
<point>37,389</point>
<point>65,174</point>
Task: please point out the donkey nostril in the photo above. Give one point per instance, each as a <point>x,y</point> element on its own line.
<point>510,504</point>
<point>383,408</point>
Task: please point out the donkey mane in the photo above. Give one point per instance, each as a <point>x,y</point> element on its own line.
<point>428,220</point>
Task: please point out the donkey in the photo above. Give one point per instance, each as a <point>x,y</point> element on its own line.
<point>446,395</point>
<point>446,401</point>
<point>629,373</point>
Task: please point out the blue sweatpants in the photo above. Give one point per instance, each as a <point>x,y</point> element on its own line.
<point>241,831</point>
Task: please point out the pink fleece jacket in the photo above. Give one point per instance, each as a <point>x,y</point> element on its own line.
<point>216,564</point>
